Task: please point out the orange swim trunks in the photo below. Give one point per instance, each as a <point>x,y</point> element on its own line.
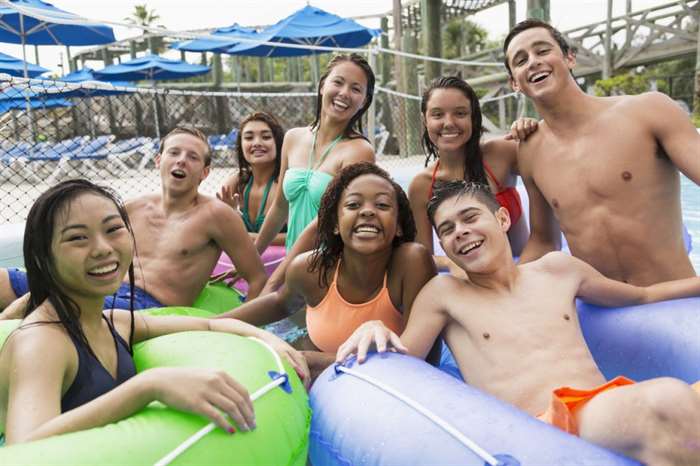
<point>565,401</point>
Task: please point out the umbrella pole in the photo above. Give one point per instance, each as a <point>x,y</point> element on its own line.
<point>155,111</point>
<point>26,76</point>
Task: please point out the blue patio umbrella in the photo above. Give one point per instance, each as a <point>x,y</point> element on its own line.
<point>308,26</point>
<point>14,98</point>
<point>36,22</point>
<point>151,68</point>
<point>15,66</point>
<point>226,37</point>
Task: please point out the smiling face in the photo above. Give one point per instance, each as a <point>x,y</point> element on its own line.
<point>368,214</point>
<point>91,248</point>
<point>447,119</point>
<point>472,236</point>
<point>258,143</point>
<point>344,91</point>
<point>537,63</point>
<point>182,162</point>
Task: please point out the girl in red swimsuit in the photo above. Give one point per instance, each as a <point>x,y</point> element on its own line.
<point>452,130</point>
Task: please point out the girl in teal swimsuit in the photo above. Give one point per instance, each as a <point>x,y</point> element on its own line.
<point>312,155</point>
<point>259,153</point>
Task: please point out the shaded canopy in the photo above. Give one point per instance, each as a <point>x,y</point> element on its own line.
<point>227,38</point>
<point>308,26</point>
<point>41,23</point>
<point>15,66</point>
<point>150,67</point>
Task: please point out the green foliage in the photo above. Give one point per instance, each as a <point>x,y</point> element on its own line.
<point>461,36</point>
<point>627,83</point>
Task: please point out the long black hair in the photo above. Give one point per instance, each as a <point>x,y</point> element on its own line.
<point>329,246</point>
<point>40,263</point>
<point>354,126</point>
<point>244,169</point>
<point>473,159</point>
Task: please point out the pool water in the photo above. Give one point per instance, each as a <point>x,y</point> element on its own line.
<point>690,200</point>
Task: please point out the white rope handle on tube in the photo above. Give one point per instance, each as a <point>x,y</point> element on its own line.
<point>197,436</point>
<point>447,427</point>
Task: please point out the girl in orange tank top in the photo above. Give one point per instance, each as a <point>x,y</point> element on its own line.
<point>365,265</point>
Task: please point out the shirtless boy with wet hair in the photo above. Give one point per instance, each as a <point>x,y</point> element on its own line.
<point>514,332</point>
<point>179,234</point>
<point>603,169</point>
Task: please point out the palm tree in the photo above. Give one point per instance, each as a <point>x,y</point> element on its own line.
<point>142,16</point>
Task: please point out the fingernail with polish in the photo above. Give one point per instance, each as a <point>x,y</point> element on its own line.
<point>231,430</point>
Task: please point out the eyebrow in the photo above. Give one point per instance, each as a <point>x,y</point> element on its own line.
<point>79,226</point>
<point>459,214</point>
<point>539,43</point>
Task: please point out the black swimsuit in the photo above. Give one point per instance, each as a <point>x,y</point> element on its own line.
<point>92,379</point>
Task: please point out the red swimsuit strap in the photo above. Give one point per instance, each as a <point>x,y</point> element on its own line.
<point>432,181</point>
<point>499,186</point>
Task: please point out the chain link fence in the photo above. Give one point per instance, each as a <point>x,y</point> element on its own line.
<point>51,131</point>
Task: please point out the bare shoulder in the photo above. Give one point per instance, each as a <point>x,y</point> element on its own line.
<point>299,276</point>
<point>293,134</point>
<point>499,147</point>
<point>358,150</point>
<point>555,262</point>
<point>410,254</point>
<point>141,202</point>
<point>47,339</point>
<point>420,184</point>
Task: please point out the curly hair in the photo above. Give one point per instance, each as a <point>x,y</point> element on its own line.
<point>244,168</point>
<point>329,246</point>
<point>473,159</point>
<point>356,121</point>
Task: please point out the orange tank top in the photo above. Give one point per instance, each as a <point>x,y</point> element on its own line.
<point>334,319</point>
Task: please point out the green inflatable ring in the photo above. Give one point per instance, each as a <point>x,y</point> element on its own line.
<point>281,436</point>
<point>218,298</point>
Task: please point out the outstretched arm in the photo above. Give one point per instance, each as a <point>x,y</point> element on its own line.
<point>597,289</point>
<point>35,391</point>
<point>426,322</point>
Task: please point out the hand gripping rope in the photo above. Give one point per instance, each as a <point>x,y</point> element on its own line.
<point>279,378</point>
<point>489,460</point>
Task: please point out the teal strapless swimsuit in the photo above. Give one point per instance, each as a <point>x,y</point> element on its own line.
<point>254,227</point>
<point>303,188</point>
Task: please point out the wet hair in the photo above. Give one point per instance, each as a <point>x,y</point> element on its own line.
<point>473,159</point>
<point>329,245</point>
<point>44,283</point>
<point>445,191</point>
<point>354,126</point>
<point>531,23</point>
<point>244,169</point>
<point>192,131</point>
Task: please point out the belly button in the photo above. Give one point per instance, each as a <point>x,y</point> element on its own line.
<point>486,336</point>
<point>566,317</point>
<point>626,176</point>
<point>555,203</point>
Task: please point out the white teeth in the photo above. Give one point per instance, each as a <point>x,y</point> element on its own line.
<point>104,269</point>
<point>367,229</point>
<point>468,247</point>
<point>178,173</point>
<point>340,104</point>
<point>535,77</point>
